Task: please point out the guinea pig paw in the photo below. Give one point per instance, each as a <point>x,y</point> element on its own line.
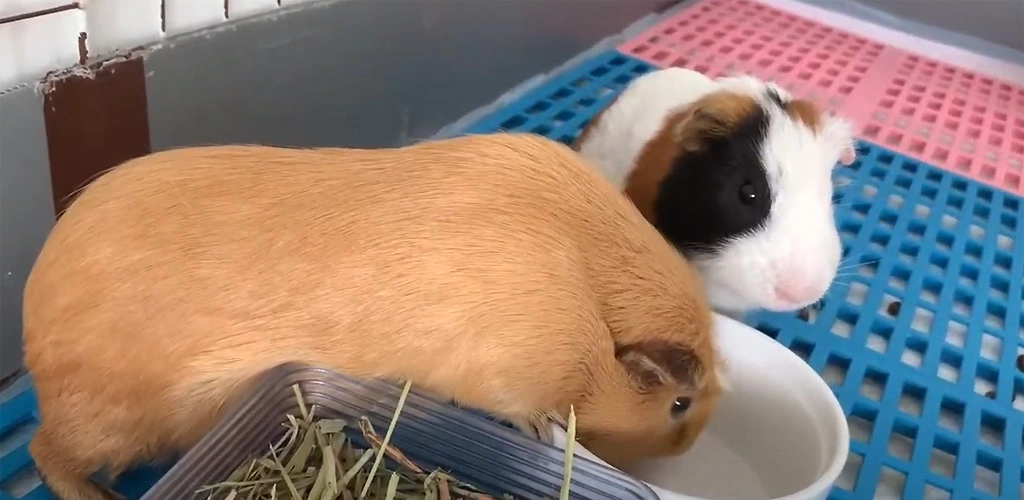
<point>538,426</point>
<point>558,419</point>
<point>527,427</point>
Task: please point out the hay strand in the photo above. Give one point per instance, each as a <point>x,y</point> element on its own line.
<point>570,440</point>
<point>387,435</point>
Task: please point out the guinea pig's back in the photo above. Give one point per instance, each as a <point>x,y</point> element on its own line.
<point>201,214</point>
<point>216,259</point>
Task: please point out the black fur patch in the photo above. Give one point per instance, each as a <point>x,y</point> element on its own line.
<point>776,98</point>
<point>699,204</point>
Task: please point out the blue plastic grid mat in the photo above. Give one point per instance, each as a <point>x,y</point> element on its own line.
<point>920,337</point>
<point>561,106</point>
<point>18,478</point>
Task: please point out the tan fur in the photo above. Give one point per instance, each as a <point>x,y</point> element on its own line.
<point>499,271</point>
<point>717,113</point>
<point>807,112</point>
<point>684,132</point>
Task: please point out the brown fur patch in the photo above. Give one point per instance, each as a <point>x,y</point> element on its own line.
<point>721,111</point>
<point>805,111</point>
<point>685,131</point>
<point>657,362</point>
<point>652,165</point>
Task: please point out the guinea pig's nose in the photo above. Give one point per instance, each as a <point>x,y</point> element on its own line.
<point>796,290</point>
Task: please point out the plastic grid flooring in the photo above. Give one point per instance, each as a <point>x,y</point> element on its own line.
<point>18,477</point>
<point>921,107</point>
<point>920,336</point>
<point>916,378</point>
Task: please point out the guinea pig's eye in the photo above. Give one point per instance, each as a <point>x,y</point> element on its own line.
<point>680,405</point>
<point>747,194</point>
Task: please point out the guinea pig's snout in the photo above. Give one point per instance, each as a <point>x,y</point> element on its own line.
<point>797,288</point>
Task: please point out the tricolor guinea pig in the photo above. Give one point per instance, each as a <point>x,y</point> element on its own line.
<point>736,174</point>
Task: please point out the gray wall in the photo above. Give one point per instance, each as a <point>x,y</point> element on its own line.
<point>363,73</point>
<point>1000,23</point>
<point>366,73</point>
<point>26,209</point>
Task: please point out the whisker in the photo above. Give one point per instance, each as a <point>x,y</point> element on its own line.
<point>864,263</point>
<point>840,280</point>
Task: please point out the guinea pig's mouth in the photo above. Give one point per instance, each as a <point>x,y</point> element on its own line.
<point>784,301</point>
<point>781,306</point>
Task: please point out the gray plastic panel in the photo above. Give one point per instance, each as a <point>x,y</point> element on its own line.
<point>26,210</point>
<point>479,451</point>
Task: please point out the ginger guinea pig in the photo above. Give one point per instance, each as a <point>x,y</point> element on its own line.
<point>498,271</point>
<point>736,174</point>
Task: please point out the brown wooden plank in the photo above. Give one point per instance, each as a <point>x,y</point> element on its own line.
<point>94,123</point>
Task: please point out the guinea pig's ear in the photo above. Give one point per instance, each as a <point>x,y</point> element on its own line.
<point>712,116</point>
<point>703,122</point>
<point>657,363</point>
<point>848,157</point>
<point>839,133</point>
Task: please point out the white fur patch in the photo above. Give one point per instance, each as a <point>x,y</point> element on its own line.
<point>637,115</point>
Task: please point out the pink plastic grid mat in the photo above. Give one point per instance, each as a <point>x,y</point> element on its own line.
<point>941,114</point>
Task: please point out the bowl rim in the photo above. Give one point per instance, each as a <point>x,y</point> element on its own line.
<point>840,433</point>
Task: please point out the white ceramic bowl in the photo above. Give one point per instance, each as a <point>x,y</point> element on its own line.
<point>779,432</point>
